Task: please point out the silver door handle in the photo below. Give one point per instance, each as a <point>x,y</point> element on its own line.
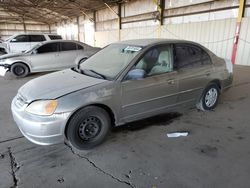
<point>170,81</point>
<point>208,73</point>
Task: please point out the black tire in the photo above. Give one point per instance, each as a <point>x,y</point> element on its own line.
<point>88,127</point>
<point>20,70</point>
<point>204,103</point>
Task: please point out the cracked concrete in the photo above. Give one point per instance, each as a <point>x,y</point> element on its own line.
<point>14,168</point>
<point>98,168</point>
<point>215,154</point>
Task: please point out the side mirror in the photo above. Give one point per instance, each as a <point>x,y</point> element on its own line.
<point>13,40</point>
<point>81,61</point>
<point>34,52</point>
<point>136,74</point>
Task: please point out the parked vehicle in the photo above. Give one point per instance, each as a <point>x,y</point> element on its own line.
<point>47,56</point>
<point>22,42</point>
<point>121,83</point>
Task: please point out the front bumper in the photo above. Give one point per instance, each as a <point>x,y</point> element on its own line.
<point>6,66</point>
<point>42,130</point>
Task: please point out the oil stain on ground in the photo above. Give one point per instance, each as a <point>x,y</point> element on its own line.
<point>208,150</point>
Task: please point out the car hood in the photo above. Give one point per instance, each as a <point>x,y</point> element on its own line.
<point>56,84</point>
<point>6,56</point>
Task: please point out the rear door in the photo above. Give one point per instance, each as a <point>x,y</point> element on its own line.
<point>157,92</point>
<point>68,54</point>
<point>45,57</point>
<point>20,43</point>
<point>194,69</point>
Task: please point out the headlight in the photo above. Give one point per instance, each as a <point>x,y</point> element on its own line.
<point>42,107</point>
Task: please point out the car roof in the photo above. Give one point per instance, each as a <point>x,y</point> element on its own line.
<point>61,40</point>
<point>36,34</point>
<point>146,42</point>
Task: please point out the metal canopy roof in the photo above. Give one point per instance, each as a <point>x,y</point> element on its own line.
<point>49,11</point>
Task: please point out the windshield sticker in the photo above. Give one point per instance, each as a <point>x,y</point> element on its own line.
<point>132,49</point>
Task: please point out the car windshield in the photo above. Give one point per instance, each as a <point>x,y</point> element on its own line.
<point>111,60</point>
<point>34,47</point>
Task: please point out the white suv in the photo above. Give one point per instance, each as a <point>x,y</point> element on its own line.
<point>22,42</point>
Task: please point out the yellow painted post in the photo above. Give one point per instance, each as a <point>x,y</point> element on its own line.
<point>160,8</point>
<point>237,32</point>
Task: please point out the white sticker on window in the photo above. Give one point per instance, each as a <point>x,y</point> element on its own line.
<point>132,48</point>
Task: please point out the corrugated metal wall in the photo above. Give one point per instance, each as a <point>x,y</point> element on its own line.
<point>216,35</point>
<point>8,29</point>
<point>243,53</point>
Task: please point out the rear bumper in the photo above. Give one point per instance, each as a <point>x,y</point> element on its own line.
<point>227,83</point>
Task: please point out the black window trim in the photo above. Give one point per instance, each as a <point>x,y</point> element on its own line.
<point>58,37</point>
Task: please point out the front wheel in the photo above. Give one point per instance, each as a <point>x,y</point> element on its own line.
<point>88,127</point>
<point>19,70</point>
<point>210,97</point>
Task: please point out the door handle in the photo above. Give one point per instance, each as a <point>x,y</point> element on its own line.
<point>208,73</point>
<point>170,81</point>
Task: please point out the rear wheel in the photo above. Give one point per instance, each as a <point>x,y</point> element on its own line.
<point>88,127</point>
<point>210,97</point>
<point>19,70</point>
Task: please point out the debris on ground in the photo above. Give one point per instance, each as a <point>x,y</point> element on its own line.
<point>177,134</point>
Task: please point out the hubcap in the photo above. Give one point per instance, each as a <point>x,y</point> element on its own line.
<point>89,128</point>
<point>19,70</point>
<point>211,97</point>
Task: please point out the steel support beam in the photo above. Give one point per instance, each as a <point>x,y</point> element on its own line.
<point>119,18</point>
<point>162,6</point>
<point>24,26</point>
<point>78,28</point>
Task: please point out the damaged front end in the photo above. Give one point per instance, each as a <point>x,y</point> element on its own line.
<point>4,68</point>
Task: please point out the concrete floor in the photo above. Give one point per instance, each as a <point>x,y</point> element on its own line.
<point>216,153</point>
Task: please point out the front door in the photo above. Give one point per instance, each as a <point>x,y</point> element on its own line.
<point>45,57</point>
<point>155,93</point>
<point>20,43</point>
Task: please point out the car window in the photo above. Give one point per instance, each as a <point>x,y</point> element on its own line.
<point>55,37</point>
<point>79,47</point>
<point>205,60</point>
<point>156,61</point>
<point>46,48</point>
<point>37,38</point>
<point>20,38</point>
<point>189,56</point>
<point>67,46</point>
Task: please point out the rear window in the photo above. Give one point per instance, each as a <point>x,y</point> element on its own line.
<point>67,46</point>
<point>189,56</point>
<point>79,47</point>
<point>37,38</point>
<point>55,37</point>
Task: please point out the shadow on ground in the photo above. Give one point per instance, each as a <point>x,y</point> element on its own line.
<point>159,120</point>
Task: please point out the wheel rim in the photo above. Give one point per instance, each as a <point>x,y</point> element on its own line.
<point>211,97</point>
<point>89,128</point>
<point>19,70</point>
